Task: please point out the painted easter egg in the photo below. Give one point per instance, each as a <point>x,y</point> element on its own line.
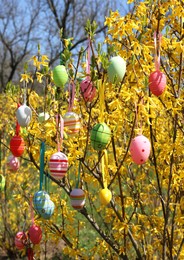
<point>17,145</point>
<point>105,196</point>
<point>157,82</point>
<point>71,123</point>
<point>20,240</point>
<point>2,182</point>
<point>77,197</point>
<point>43,204</point>
<point>116,69</point>
<point>100,136</point>
<point>35,234</point>
<point>60,75</point>
<point>140,149</point>
<point>88,90</point>
<point>23,115</point>
<point>58,165</point>
<point>13,163</point>
<point>43,117</point>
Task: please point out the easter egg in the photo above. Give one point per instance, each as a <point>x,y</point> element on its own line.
<point>60,75</point>
<point>58,165</point>
<point>72,123</point>
<point>13,163</point>
<point>20,240</point>
<point>23,115</point>
<point>35,234</point>
<point>43,117</point>
<point>157,82</point>
<point>140,149</point>
<point>88,90</point>
<point>116,69</point>
<point>100,136</point>
<point>2,182</point>
<point>77,197</point>
<point>17,145</point>
<point>105,196</point>
<point>43,204</point>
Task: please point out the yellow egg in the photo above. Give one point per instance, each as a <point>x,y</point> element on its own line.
<point>105,196</point>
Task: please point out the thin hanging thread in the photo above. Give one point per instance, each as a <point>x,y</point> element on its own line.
<point>101,97</point>
<point>42,154</point>
<point>157,49</point>
<point>104,167</point>
<point>71,90</point>
<point>88,61</point>
<point>78,179</point>
<point>25,92</point>
<point>60,129</point>
<point>17,130</point>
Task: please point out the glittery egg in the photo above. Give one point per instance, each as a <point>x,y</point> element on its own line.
<point>140,149</point>
<point>105,196</point>
<point>58,165</point>
<point>35,234</point>
<point>77,197</point>
<point>23,115</point>
<point>13,163</point>
<point>88,90</point>
<point>116,69</point>
<point>17,145</point>
<point>157,82</point>
<point>71,123</point>
<point>20,240</point>
<point>43,204</point>
<point>2,182</point>
<point>60,75</point>
<point>100,136</point>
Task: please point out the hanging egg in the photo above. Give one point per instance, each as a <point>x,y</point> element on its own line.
<point>157,82</point>
<point>58,165</point>
<point>140,149</point>
<point>116,69</point>
<point>105,196</point>
<point>35,234</point>
<point>17,145</point>
<point>23,115</point>
<point>60,75</point>
<point>43,204</point>
<point>20,240</point>
<point>13,163</point>
<point>88,90</point>
<point>72,123</point>
<point>2,182</point>
<point>100,136</point>
<point>43,117</point>
<point>77,197</point>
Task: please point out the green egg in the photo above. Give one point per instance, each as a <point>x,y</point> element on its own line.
<point>116,70</point>
<point>100,136</point>
<point>60,75</point>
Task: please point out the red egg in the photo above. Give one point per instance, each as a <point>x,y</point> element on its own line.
<point>157,82</point>
<point>17,145</point>
<point>58,165</point>
<point>88,90</point>
<point>140,149</point>
<point>35,234</point>
<point>20,240</point>
<point>13,163</point>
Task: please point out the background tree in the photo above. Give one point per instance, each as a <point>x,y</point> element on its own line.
<point>144,218</point>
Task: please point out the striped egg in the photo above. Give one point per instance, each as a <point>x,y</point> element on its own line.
<point>58,165</point>
<point>13,163</point>
<point>88,90</point>
<point>20,240</point>
<point>17,145</point>
<point>72,123</point>
<point>77,197</point>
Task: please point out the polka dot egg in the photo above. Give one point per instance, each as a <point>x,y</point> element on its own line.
<point>140,149</point>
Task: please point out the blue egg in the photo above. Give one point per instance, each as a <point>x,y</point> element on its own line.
<point>43,204</point>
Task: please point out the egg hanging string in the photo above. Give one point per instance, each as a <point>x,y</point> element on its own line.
<point>78,180</point>
<point>104,167</point>
<point>25,92</point>
<point>71,90</point>
<point>101,98</point>
<point>17,131</point>
<point>42,155</point>
<point>157,49</point>
<point>60,130</point>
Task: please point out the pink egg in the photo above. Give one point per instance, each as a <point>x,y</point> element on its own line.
<point>140,149</point>
<point>88,90</point>
<point>77,197</point>
<point>20,240</point>
<point>58,165</point>
<point>13,163</point>
<point>35,234</point>
<point>157,82</point>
